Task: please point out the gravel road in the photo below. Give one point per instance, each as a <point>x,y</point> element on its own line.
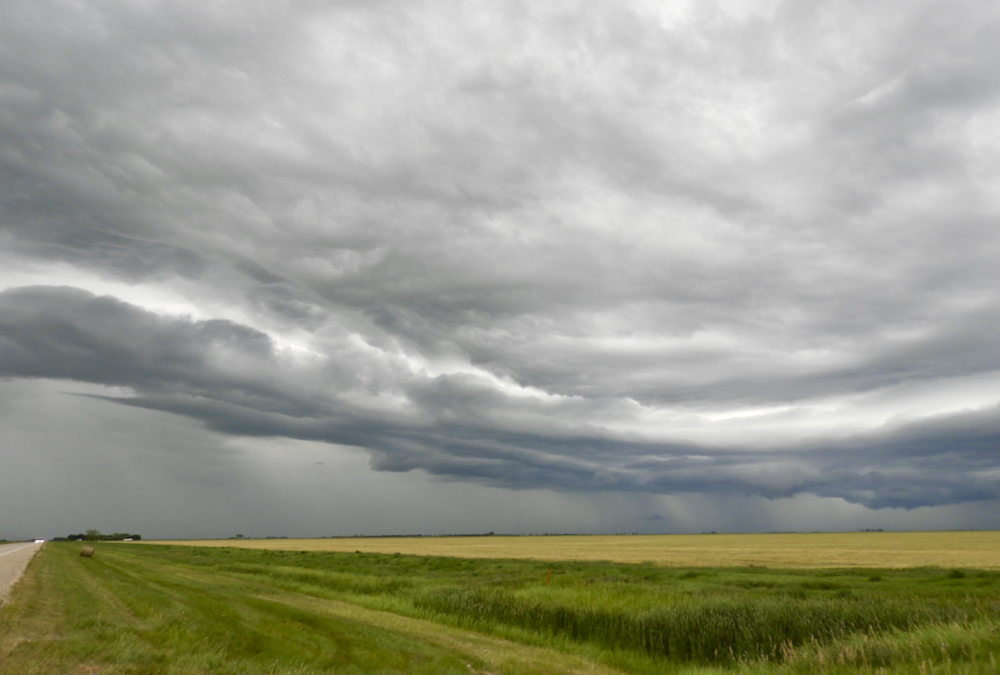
<point>13,559</point>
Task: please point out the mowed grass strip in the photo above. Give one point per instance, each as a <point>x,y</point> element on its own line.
<point>123,612</point>
<point>894,550</point>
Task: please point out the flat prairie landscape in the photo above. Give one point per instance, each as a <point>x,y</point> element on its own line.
<point>887,550</point>
<point>788,604</point>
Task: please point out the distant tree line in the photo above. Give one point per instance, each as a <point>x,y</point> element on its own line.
<point>96,535</point>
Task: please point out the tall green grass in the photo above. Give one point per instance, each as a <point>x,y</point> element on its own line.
<point>712,632</point>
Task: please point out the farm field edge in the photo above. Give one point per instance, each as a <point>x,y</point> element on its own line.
<point>890,550</point>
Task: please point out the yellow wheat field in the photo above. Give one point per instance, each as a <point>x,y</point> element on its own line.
<point>815,550</point>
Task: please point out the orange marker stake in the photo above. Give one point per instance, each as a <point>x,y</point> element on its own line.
<point>548,578</point>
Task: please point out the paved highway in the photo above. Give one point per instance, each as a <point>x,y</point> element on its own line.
<point>13,559</point>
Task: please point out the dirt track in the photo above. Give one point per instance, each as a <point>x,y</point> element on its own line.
<point>13,559</point>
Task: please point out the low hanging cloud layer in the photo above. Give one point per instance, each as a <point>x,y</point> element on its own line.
<point>234,380</point>
<point>645,247</point>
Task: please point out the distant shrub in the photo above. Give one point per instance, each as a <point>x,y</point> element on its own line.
<point>96,535</point>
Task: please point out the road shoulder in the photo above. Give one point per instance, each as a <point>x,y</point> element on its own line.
<point>14,558</point>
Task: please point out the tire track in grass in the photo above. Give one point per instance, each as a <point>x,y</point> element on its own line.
<point>497,655</point>
<point>71,618</point>
<point>483,654</point>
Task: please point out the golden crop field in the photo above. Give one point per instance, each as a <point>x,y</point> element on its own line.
<point>979,550</point>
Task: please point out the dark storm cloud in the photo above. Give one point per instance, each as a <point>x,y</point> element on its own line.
<point>225,375</point>
<point>641,246</point>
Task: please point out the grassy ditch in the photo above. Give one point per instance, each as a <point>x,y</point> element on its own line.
<point>176,609</point>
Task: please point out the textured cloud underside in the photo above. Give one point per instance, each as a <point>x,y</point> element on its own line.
<point>614,246</point>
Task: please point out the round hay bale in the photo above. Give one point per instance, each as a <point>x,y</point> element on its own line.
<point>87,551</point>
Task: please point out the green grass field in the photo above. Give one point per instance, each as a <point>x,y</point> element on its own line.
<point>176,609</point>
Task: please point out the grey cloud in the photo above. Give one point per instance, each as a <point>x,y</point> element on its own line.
<point>766,208</point>
<point>67,333</point>
<point>457,431</point>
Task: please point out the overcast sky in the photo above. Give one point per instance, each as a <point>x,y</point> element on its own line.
<point>312,268</point>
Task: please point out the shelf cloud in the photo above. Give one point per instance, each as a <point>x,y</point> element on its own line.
<point>650,248</point>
